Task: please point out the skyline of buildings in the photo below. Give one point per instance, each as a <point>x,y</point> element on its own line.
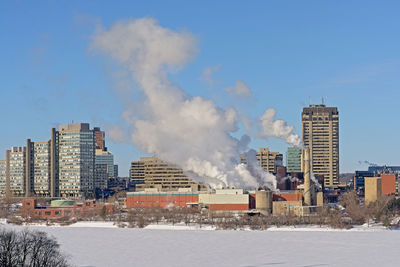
<point>75,161</point>
<point>64,166</point>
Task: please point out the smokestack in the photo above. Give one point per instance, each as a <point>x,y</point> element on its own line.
<point>307,180</point>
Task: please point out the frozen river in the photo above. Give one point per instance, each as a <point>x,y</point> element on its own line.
<point>98,246</point>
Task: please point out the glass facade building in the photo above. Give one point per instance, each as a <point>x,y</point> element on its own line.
<point>293,159</point>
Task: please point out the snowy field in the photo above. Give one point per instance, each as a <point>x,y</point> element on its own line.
<point>101,244</point>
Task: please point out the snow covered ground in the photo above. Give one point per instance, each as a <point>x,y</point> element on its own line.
<point>102,244</point>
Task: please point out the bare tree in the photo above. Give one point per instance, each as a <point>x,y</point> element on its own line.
<point>351,202</point>
<point>33,249</point>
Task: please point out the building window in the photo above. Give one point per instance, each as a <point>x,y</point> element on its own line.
<point>57,213</point>
<point>47,213</point>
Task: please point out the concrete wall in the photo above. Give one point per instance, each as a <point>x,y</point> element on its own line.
<point>286,207</point>
<point>373,189</point>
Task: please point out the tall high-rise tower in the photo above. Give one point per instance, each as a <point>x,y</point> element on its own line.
<point>320,132</point>
<point>75,145</point>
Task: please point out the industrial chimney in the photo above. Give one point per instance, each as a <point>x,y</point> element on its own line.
<point>307,178</point>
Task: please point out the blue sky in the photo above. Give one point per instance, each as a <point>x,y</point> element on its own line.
<point>287,52</point>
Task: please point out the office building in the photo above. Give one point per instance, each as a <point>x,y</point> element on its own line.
<point>100,176</point>
<point>293,159</point>
<point>106,157</point>
<point>115,171</point>
<point>320,132</point>
<point>151,172</point>
<point>358,180</point>
<point>76,160</point>
<point>136,172</point>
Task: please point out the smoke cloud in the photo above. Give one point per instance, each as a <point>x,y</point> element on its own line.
<point>116,133</point>
<point>367,162</point>
<point>189,131</point>
<point>278,128</point>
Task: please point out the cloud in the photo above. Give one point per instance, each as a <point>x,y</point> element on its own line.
<point>241,89</point>
<point>207,75</point>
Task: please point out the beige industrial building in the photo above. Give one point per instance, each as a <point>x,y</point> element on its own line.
<point>268,160</point>
<point>373,189</point>
<point>151,172</point>
<point>320,132</point>
<point>225,199</point>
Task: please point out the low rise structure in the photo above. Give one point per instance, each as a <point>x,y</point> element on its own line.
<point>225,199</point>
<point>64,209</point>
<point>153,198</point>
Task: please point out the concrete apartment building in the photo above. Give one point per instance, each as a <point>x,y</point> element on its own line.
<point>293,159</point>
<point>76,160</point>
<point>16,171</point>
<point>151,172</point>
<point>320,132</point>
<point>2,177</point>
<point>268,160</point>
<point>39,168</point>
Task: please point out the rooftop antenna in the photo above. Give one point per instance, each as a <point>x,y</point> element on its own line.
<point>322,100</point>
<point>309,100</point>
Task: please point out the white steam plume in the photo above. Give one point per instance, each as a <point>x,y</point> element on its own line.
<point>189,131</point>
<point>116,133</point>
<point>279,129</point>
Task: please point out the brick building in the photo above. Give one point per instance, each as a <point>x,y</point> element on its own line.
<point>64,208</point>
